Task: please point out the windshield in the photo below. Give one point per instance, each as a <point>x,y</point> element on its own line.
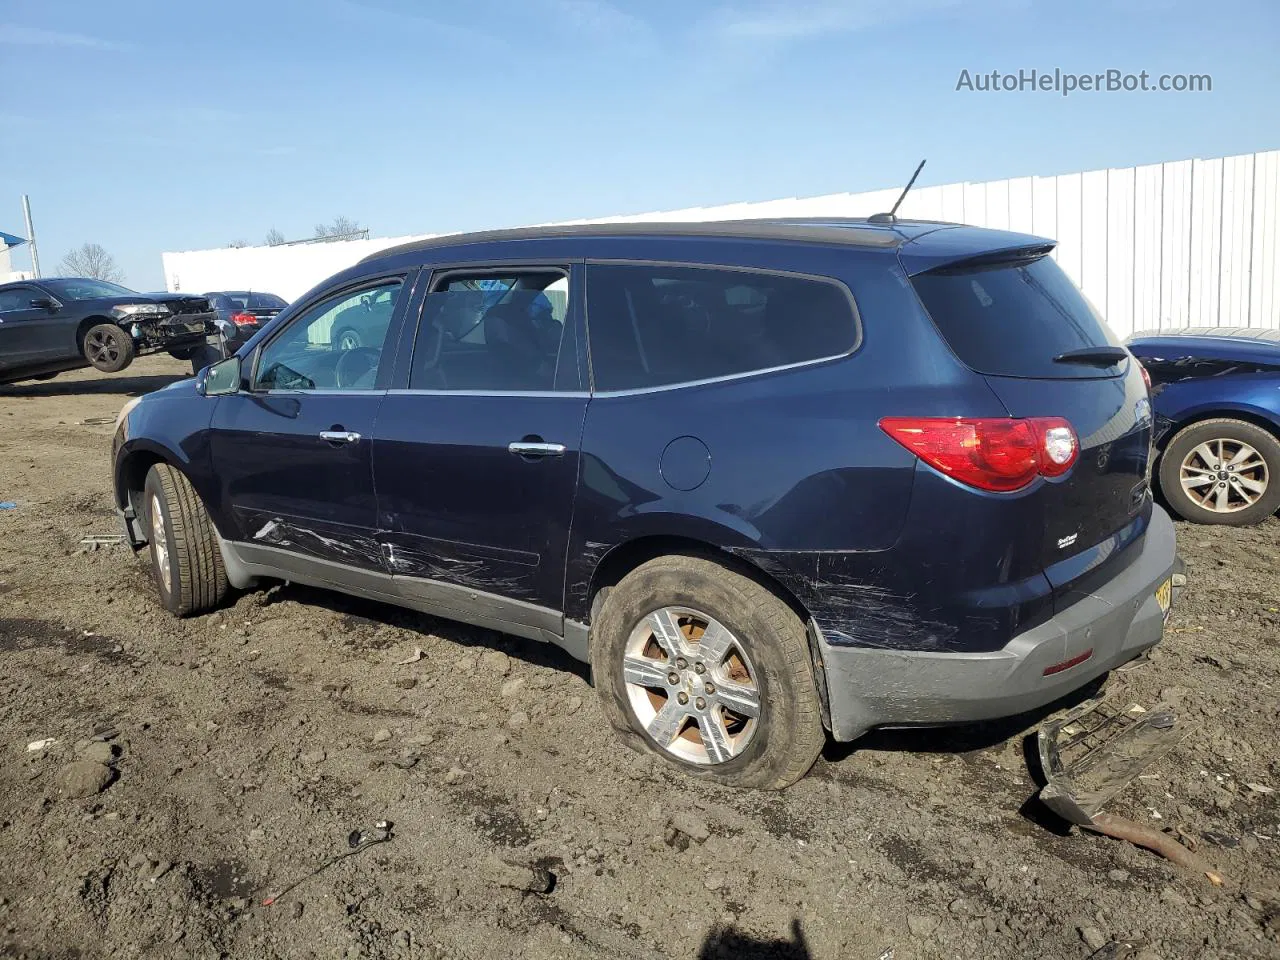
<point>87,289</point>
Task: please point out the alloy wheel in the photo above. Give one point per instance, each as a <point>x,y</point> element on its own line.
<point>1223,475</point>
<point>692,686</point>
<point>160,544</point>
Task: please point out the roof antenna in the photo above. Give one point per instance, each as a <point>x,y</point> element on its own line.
<point>889,217</point>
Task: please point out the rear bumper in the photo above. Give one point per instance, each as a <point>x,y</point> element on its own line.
<point>870,687</point>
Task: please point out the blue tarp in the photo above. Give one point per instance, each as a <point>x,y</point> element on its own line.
<point>9,240</point>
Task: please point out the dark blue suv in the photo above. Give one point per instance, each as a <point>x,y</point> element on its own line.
<point>767,477</point>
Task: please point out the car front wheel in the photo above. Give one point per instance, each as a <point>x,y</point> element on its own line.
<point>108,348</point>
<point>1223,471</point>
<point>709,670</point>
<point>185,559</point>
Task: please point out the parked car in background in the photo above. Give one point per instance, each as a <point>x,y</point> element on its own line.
<point>55,324</point>
<point>246,310</point>
<point>766,477</point>
<point>1216,393</point>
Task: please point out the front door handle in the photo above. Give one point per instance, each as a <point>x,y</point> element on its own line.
<point>528,448</point>
<point>339,436</point>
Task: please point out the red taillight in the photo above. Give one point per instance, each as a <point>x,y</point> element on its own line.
<point>990,453</point>
<point>243,319</point>
<point>1146,377</point>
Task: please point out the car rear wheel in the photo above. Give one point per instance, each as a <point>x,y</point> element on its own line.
<point>347,339</point>
<point>709,670</point>
<point>205,355</point>
<point>1223,471</point>
<point>185,559</point>
<point>108,348</point>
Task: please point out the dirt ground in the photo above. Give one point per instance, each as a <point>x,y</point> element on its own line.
<point>248,744</point>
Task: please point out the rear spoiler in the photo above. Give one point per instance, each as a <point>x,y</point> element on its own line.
<point>965,246</point>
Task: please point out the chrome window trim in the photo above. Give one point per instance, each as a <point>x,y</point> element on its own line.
<point>411,392</point>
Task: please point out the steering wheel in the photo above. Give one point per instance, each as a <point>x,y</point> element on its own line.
<point>356,369</point>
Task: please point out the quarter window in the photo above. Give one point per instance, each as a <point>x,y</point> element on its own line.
<point>494,332</point>
<point>652,326</point>
<point>335,345</point>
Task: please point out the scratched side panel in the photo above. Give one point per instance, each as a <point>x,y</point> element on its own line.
<point>322,539</point>
<point>510,573</point>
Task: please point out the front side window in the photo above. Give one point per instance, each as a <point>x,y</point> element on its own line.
<point>18,298</point>
<point>335,345</point>
<point>493,332</point>
<point>652,326</point>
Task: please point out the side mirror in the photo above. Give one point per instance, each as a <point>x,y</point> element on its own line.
<point>219,380</point>
<point>43,303</point>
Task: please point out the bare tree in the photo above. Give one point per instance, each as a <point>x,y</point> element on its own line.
<point>237,244</point>
<point>92,260</point>
<point>274,237</point>
<point>340,227</point>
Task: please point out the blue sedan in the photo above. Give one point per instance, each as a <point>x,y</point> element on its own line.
<point>1216,394</point>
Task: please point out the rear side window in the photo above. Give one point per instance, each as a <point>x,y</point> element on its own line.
<point>1011,318</point>
<point>495,331</point>
<point>652,326</point>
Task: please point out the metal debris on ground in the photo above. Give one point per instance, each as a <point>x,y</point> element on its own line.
<point>1092,752</point>
<point>357,841</point>
<point>412,658</point>
<point>98,541</point>
<point>37,745</point>
<point>97,421</point>
<point>8,505</point>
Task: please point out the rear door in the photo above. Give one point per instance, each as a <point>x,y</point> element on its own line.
<point>476,462</point>
<point>293,453</point>
<point>1045,352</point>
<point>32,334</point>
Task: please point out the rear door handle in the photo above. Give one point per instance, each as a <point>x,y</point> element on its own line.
<point>339,436</point>
<point>527,448</point>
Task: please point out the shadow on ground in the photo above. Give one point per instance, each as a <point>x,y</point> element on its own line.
<point>132,386</point>
<point>356,610</point>
<point>726,943</point>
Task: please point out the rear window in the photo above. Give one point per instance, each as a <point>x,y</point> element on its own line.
<point>652,326</point>
<point>265,301</point>
<point>1011,318</point>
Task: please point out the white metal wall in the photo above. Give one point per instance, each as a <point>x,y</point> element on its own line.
<point>1182,243</point>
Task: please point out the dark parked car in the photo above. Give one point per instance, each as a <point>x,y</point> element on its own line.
<point>1216,393</point>
<point>766,477</point>
<point>52,325</point>
<point>247,311</point>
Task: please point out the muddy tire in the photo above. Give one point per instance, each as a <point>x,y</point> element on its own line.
<point>108,348</point>
<point>709,670</point>
<point>1222,471</point>
<point>185,560</point>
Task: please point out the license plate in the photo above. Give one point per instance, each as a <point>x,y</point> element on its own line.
<point>1164,596</point>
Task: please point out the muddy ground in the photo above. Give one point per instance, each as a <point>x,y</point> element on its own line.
<point>249,743</point>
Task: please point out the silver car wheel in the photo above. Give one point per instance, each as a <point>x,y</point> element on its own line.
<point>691,686</point>
<point>160,544</point>
<point>1223,475</point>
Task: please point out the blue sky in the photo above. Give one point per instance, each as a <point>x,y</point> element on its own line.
<point>151,126</point>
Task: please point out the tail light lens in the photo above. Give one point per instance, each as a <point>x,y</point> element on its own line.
<point>1146,377</point>
<point>243,319</point>
<point>990,453</point>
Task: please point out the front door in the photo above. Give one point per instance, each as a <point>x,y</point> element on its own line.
<point>292,453</point>
<point>476,463</point>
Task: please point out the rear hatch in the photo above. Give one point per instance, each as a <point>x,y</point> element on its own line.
<point>1016,318</point>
